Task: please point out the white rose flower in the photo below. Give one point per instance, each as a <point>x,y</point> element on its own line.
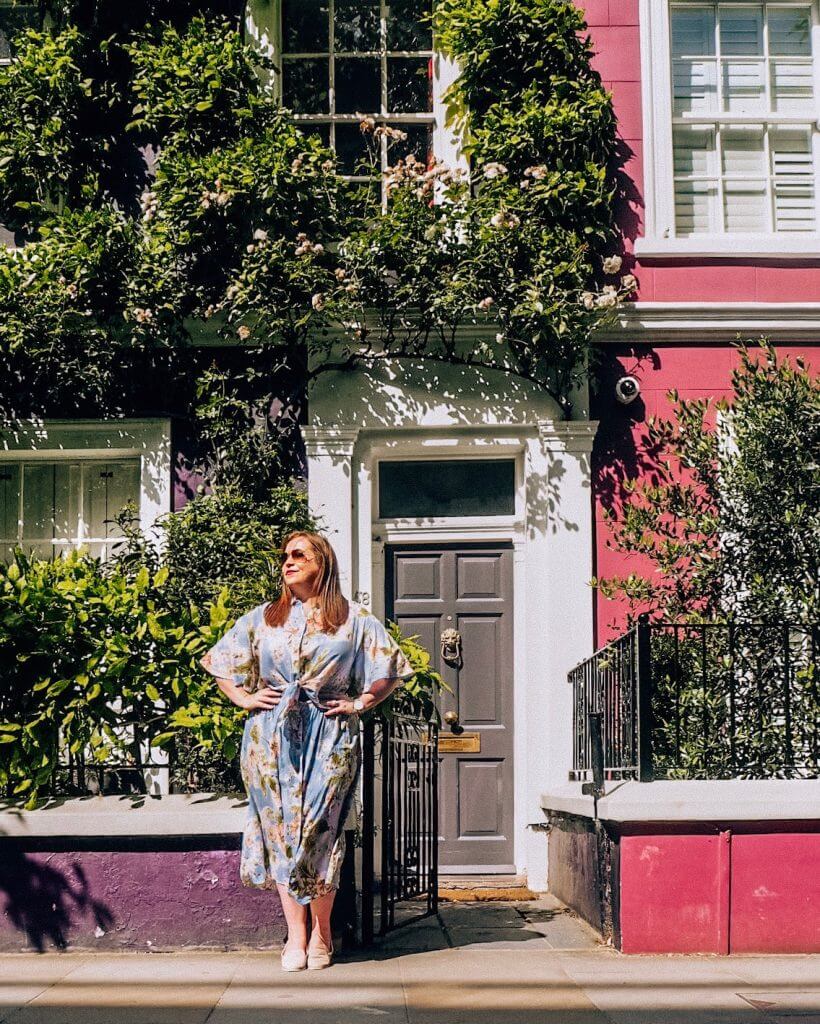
<point>612,264</point>
<point>260,235</point>
<point>629,282</point>
<point>318,302</point>
<point>486,302</point>
<point>588,300</point>
<point>494,170</point>
<point>243,332</point>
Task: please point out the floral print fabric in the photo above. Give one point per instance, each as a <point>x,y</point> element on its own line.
<point>299,767</point>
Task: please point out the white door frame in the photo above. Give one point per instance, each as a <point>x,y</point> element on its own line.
<point>455,529</point>
<point>551,534</point>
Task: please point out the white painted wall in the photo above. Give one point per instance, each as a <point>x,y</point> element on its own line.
<point>410,409</point>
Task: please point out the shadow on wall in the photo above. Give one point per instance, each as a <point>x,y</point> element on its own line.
<point>629,202</point>
<point>620,451</point>
<point>42,902</point>
<point>392,398</point>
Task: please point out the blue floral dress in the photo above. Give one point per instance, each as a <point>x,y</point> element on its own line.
<point>299,767</point>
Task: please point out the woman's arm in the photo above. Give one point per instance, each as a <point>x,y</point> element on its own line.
<point>262,700</point>
<point>379,691</point>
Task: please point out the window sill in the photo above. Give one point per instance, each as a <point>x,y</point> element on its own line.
<point>730,247</point>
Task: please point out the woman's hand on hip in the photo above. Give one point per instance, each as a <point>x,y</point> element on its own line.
<point>339,707</point>
<point>265,699</point>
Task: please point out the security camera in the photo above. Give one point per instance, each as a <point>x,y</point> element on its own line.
<point>627,389</point>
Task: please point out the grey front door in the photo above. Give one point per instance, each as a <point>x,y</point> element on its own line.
<point>467,587</point>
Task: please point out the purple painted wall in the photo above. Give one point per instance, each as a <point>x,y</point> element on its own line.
<point>158,899</point>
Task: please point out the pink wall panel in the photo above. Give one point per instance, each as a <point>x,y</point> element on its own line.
<point>672,894</point>
<point>596,12</point>
<point>775,900</point>
<point>618,53</point>
<point>620,453</point>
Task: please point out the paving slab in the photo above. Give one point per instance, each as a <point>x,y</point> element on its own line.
<point>25,976</point>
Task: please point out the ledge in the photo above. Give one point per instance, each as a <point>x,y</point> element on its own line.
<point>175,815</point>
<point>680,801</point>
<point>708,322</point>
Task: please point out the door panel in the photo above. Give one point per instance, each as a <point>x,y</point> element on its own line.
<point>467,587</point>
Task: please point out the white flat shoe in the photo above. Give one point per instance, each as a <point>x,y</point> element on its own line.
<point>319,957</point>
<point>294,959</point>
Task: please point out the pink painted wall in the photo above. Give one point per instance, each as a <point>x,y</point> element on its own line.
<point>720,893</point>
<point>615,34</point>
<point>620,452</point>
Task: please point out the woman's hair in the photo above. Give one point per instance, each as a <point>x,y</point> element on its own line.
<point>333,608</point>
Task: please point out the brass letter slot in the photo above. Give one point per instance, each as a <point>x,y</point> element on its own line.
<point>463,743</point>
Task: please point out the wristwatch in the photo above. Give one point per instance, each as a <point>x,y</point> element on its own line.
<point>358,705</point>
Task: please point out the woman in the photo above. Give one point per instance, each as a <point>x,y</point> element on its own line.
<point>305,667</point>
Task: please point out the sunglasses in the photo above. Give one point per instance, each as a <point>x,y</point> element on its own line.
<point>297,555</point>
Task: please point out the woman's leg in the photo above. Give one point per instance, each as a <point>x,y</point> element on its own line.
<point>320,910</point>
<point>296,917</point>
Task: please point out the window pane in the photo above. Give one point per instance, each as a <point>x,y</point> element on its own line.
<point>352,150</point>
<point>744,206</point>
<point>408,25</point>
<point>305,88</point>
<point>790,31</point>
<point>12,21</point>
<point>693,32</point>
<point>409,85</point>
<point>109,487</point>
<point>741,31</point>
<point>356,26</point>
<point>743,152</point>
<point>305,26</point>
<point>695,207</point>
<point>38,501</point>
<point>695,86</point>
<point>9,501</point>
<point>744,87</point>
<point>793,171</point>
<point>447,487</point>
<point>358,85</point>
<point>694,152</point>
<point>419,142</point>
<point>792,86</point>
<point>67,489</point>
<point>322,131</point>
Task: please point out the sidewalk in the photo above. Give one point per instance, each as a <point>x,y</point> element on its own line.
<point>478,964</point>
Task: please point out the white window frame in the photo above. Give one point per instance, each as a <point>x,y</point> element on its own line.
<point>263,29</point>
<point>148,440</point>
<point>659,239</point>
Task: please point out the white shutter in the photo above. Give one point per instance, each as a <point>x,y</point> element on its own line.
<point>790,31</point>
<point>744,207</point>
<point>793,174</point>
<point>696,170</point>
<point>109,486</point>
<point>9,507</point>
<point>694,67</point>
<point>744,86</point>
<point>695,207</point>
<point>38,508</point>
<point>695,86</point>
<point>792,86</point>
<point>741,31</point>
<point>123,488</point>
<point>693,31</point>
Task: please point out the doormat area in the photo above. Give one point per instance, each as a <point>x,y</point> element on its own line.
<point>484,888</point>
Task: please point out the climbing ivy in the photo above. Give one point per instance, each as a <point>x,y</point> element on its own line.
<point>198,205</point>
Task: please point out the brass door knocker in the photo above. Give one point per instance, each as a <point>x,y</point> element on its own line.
<point>451,646</point>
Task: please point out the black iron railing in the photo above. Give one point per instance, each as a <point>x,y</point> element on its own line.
<point>399,823</point>
<point>701,700</point>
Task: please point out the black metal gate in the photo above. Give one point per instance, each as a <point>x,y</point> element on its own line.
<point>399,823</point>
